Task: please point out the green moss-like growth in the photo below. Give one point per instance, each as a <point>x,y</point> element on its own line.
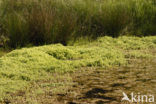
<point>22,66</point>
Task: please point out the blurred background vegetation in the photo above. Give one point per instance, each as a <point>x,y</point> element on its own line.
<point>38,22</point>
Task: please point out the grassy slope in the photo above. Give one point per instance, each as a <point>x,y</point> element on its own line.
<point>20,67</point>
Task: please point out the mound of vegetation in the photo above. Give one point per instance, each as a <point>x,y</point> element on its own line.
<point>58,21</point>
<point>22,66</point>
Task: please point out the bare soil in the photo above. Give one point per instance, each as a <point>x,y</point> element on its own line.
<point>99,86</point>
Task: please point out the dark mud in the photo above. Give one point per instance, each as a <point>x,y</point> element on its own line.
<point>105,86</point>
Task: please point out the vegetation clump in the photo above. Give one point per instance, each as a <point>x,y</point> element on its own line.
<point>22,66</point>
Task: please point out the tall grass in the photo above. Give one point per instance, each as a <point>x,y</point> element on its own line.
<point>52,21</point>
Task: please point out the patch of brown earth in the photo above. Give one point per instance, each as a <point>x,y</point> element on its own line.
<point>100,86</point>
<point>92,85</point>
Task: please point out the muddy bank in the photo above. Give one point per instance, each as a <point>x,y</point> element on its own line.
<point>99,86</point>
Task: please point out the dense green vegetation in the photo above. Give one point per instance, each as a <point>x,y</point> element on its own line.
<point>22,66</point>
<point>25,22</point>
